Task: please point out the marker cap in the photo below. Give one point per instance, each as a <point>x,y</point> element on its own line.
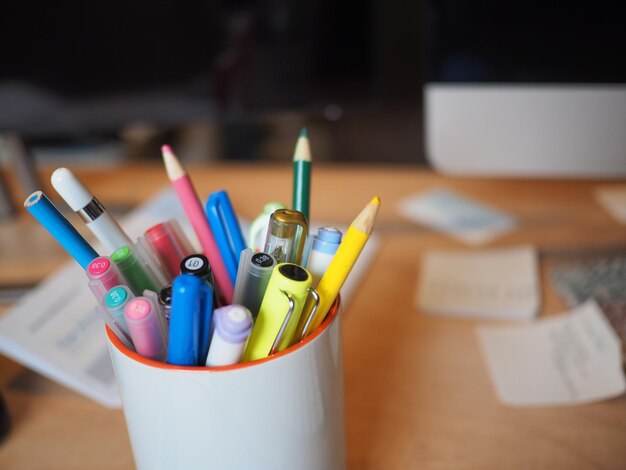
<point>145,328</point>
<point>327,240</point>
<point>102,275</point>
<point>233,323</point>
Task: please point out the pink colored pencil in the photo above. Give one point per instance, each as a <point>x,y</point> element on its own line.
<point>190,202</point>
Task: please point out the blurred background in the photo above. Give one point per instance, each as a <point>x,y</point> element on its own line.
<point>97,83</point>
<point>100,82</point>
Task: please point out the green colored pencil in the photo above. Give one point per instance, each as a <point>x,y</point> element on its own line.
<point>302,174</point>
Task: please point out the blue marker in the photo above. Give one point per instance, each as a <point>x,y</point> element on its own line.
<point>190,321</point>
<point>226,230</point>
<point>58,226</point>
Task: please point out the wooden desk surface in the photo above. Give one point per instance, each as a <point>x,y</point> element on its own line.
<point>417,392</point>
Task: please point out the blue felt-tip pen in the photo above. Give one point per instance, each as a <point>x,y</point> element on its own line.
<point>59,227</point>
<point>226,230</point>
<point>190,321</point>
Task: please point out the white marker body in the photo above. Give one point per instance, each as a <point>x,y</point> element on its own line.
<point>223,353</point>
<point>110,234</point>
<point>318,264</point>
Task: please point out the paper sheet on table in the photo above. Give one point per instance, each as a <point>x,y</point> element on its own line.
<point>566,360</point>
<point>54,331</point>
<point>456,215</point>
<point>613,199</point>
<point>500,283</point>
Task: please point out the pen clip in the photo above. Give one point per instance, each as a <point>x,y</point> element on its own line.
<point>226,230</point>
<point>316,299</point>
<point>283,327</point>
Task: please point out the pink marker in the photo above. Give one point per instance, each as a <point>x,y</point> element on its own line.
<point>103,276</point>
<point>191,204</point>
<point>146,329</point>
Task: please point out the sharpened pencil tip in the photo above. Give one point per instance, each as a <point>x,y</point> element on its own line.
<point>375,200</point>
<point>173,168</point>
<point>304,133</point>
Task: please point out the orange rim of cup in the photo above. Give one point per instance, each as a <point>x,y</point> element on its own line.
<point>332,313</point>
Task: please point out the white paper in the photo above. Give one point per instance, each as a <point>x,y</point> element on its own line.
<point>500,283</point>
<point>566,360</point>
<point>613,199</point>
<point>471,222</point>
<point>54,331</point>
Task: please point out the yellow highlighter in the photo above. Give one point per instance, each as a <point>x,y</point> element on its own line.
<point>280,310</point>
<point>344,259</point>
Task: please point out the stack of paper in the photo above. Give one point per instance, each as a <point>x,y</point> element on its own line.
<point>495,283</point>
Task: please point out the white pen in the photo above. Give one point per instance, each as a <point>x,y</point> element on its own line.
<point>232,326</point>
<point>81,201</point>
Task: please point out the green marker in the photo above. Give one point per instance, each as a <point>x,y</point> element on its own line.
<point>135,274</point>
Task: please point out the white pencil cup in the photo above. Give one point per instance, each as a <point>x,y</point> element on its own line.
<point>282,412</point>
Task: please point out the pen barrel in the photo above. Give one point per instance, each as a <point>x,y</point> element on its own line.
<point>108,231</point>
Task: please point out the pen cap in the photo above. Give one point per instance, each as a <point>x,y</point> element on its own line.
<point>258,228</point>
<point>103,275</point>
<point>287,280</point>
<point>146,329</point>
<point>198,265</point>
<point>233,323</point>
<point>190,320</point>
<point>327,240</point>
<point>69,187</point>
<point>168,244</point>
<point>286,235</point>
<point>255,270</point>
<point>138,276</point>
<point>114,302</point>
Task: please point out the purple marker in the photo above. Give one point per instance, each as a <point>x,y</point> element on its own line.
<point>146,328</point>
<point>232,326</point>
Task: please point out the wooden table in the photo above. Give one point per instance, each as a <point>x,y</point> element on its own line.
<point>417,392</point>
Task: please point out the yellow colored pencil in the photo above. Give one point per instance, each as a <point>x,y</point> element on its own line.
<point>343,261</point>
